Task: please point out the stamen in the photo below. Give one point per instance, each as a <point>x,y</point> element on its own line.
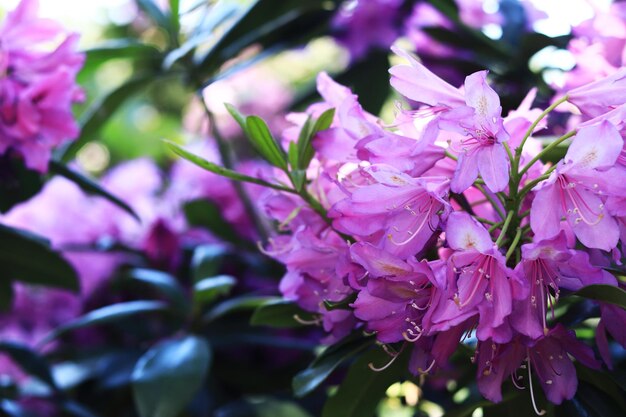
<point>530,385</point>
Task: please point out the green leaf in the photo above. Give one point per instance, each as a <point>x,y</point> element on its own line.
<point>304,147</point>
<point>239,118</point>
<point>163,283</point>
<point>261,138</point>
<point>219,170</point>
<point>605,293</point>
<point>99,113</point>
<point>154,12</point>
<point>267,23</point>
<point>340,305</point>
<point>17,182</point>
<point>90,186</point>
<point>207,261</point>
<point>119,48</point>
<point>206,214</point>
<point>280,314</point>
<point>262,408</point>
<point>321,368</point>
<point>167,377</point>
<point>602,381</point>
<point>369,79</point>
<point>297,175</point>
<point>324,121</point>
<point>29,361</point>
<point>108,314</point>
<point>208,290</point>
<point>175,16</point>
<point>6,294</point>
<point>234,305</point>
<point>362,388</point>
<point>19,248</point>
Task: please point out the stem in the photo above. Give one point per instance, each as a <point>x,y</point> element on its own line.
<point>507,222</point>
<point>228,162</point>
<point>449,155</point>
<point>493,202</point>
<point>546,149</point>
<point>483,220</point>
<point>536,181</point>
<point>513,246</point>
<point>531,129</point>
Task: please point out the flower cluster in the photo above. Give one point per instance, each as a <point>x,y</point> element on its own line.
<point>39,62</point>
<point>446,227</point>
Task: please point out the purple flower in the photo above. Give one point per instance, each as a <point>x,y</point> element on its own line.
<point>395,211</point>
<point>38,86</point>
<point>547,360</point>
<point>548,266</point>
<point>578,186</point>
<point>478,281</point>
<point>396,296</point>
<point>601,96</point>
<point>481,151</point>
<point>363,24</point>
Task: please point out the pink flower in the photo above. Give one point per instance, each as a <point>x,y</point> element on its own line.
<point>548,266</point>
<point>577,189</point>
<point>396,296</point>
<point>363,24</point>
<point>481,151</point>
<point>394,211</point>
<point>547,360</point>
<point>601,96</point>
<point>478,280</point>
<point>38,87</point>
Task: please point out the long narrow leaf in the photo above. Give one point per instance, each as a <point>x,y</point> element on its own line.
<point>219,170</point>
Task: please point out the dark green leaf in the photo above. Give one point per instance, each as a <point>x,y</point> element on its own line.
<point>108,314</point>
<point>17,182</point>
<point>207,261</point>
<point>269,24</point>
<point>279,313</point>
<point>206,214</point>
<point>340,305</point>
<point>19,248</point>
<point>605,293</point>
<point>261,138</point>
<point>362,388</point>
<point>264,408</point>
<point>99,112</point>
<point>324,121</point>
<point>297,175</point>
<point>243,303</point>
<point>208,290</point>
<point>90,186</point>
<point>119,48</point>
<point>29,361</point>
<point>321,368</point>
<point>163,283</point>
<point>167,377</point>
<point>175,16</point>
<point>369,79</point>
<point>6,294</point>
<point>602,381</point>
<point>154,12</point>
<point>219,170</point>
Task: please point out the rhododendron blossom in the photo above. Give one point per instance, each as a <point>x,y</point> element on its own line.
<point>38,62</point>
<point>444,227</point>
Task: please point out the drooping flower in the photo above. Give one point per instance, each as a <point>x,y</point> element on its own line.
<point>396,296</point>
<point>548,266</point>
<point>395,211</point>
<point>599,97</point>
<point>479,281</point>
<point>547,360</point>
<point>578,186</point>
<point>38,85</point>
